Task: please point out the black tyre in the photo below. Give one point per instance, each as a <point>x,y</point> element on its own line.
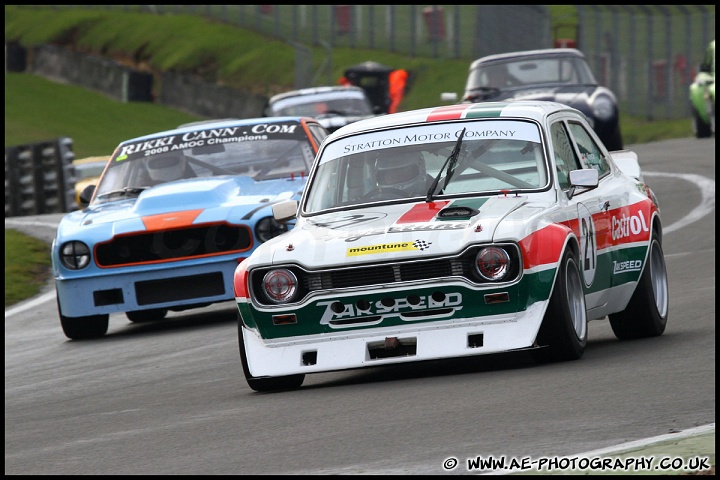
<point>614,142</point>
<point>140,316</point>
<point>83,328</point>
<point>646,313</point>
<point>563,333</point>
<point>701,128</point>
<point>266,384</point>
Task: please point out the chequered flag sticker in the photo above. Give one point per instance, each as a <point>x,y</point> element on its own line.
<point>421,244</point>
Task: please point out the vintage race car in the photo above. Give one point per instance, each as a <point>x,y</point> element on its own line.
<point>702,96</point>
<point>454,231</point>
<point>173,214</point>
<point>87,172</point>
<point>554,74</point>
<point>333,106</point>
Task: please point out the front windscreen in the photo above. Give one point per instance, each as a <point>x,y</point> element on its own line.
<point>428,160</point>
<point>521,72</point>
<point>261,151</point>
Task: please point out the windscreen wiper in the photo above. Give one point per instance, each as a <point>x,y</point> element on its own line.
<point>452,161</point>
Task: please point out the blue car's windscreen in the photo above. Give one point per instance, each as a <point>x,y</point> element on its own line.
<point>261,151</point>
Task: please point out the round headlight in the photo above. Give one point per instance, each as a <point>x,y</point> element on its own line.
<point>75,255</point>
<point>280,285</point>
<point>603,108</point>
<point>268,228</point>
<point>492,263</point>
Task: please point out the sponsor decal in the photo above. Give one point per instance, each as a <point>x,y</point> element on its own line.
<point>627,266</point>
<point>424,227</point>
<point>206,137</point>
<point>400,306</point>
<point>348,220</point>
<point>432,137</point>
<point>388,247</point>
<point>429,134</point>
<point>626,226</point>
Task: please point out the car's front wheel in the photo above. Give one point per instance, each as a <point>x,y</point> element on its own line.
<point>646,313</point>
<point>265,384</point>
<point>84,328</point>
<point>701,128</point>
<point>564,332</point>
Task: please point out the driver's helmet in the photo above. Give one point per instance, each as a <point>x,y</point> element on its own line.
<point>402,170</point>
<point>166,168</point>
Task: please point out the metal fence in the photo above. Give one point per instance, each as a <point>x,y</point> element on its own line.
<point>40,178</point>
<point>647,54</point>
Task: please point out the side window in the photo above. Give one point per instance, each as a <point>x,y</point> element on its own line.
<point>590,153</point>
<point>565,158</point>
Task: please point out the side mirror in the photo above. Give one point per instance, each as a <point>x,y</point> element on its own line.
<point>284,211</point>
<point>86,195</point>
<point>585,178</point>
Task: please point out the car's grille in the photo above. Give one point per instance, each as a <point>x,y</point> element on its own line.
<point>380,274</point>
<point>182,288</point>
<point>168,245</point>
<point>377,274</point>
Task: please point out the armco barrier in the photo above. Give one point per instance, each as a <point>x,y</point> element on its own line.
<point>40,178</point>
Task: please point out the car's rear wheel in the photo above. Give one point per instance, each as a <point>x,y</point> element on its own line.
<point>563,333</point>
<point>84,328</point>
<point>265,384</point>
<point>701,128</point>
<point>614,142</point>
<point>151,315</point>
<point>646,313</point>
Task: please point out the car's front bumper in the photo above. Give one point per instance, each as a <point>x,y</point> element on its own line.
<point>170,287</point>
<point>390,345</point>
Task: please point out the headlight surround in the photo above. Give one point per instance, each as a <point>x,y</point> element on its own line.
<point>75,255</point>
<point>493,264</point>
<point>280,285</point>
<point>267,228</point>
<point>603,107</point>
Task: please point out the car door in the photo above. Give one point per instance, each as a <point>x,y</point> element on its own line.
<point>586,210</point>
<point>603,202</point>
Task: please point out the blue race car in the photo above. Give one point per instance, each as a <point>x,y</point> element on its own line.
<point>173,215</point>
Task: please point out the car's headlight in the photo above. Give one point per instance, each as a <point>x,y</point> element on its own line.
<point>493,264</point>
<point>603,108</point>
<point>280,285</point>
<point>268,228</point>
<point>75,255</point>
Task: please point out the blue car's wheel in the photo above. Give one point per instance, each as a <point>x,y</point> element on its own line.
<point>83,328</point>
<point>146,315</point>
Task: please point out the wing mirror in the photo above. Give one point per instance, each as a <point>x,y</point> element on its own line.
<point>284,211</point>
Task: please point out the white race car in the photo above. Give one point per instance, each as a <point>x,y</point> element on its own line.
<point>453,231</point>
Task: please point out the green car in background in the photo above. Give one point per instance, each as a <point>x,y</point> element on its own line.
<point>702,96</point>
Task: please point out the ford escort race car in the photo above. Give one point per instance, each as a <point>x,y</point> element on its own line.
<point>454,231</point>
<point>173,214</point>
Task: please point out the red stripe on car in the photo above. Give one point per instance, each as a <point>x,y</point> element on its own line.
<point>422,212</point>
<point>450,112</point>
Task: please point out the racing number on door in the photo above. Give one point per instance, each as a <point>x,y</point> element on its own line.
<point>588,244</point>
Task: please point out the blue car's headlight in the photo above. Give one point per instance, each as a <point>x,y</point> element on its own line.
<point>268,228</point>
<point>74,255</point>
<point>603,108</point>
